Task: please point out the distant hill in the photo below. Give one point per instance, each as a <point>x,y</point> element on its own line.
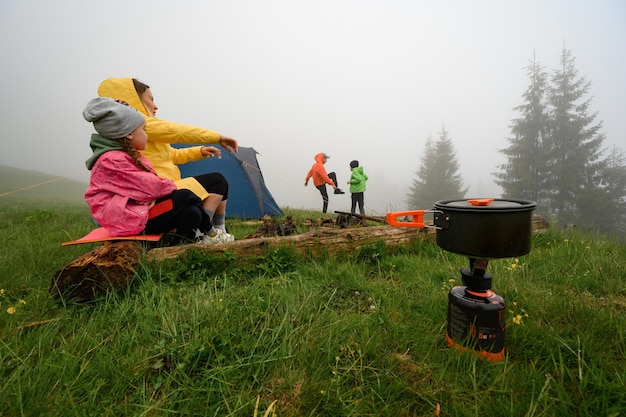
<point>24,186</point>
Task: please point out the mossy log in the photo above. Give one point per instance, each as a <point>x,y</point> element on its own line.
<point>317,242</point>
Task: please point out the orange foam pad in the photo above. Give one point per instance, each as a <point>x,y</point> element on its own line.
<point>100,235</point>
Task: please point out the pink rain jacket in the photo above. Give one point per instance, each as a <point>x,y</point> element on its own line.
<point>118,188</point>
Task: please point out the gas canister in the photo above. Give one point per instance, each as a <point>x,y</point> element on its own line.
<point>476,322</point>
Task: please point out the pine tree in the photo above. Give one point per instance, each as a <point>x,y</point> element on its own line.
<point>437,177</point>
<point>555,155</point>
<point>574,147</point>
<point>420,195</point>
<point>614,179</point>
<point>604,209</point>
<point>524,173</point>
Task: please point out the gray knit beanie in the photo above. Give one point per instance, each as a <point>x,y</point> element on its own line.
<point>112,119</point>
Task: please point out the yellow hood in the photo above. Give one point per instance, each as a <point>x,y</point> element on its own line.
<point>122,89</point>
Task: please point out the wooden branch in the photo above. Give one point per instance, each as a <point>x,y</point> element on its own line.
<point>363,217</point>
<point>317,242</point>
<point>36,323</point>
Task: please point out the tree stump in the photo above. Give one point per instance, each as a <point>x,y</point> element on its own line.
<point>109,267</point>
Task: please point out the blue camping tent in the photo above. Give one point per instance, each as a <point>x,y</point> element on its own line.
<point>248,197</point>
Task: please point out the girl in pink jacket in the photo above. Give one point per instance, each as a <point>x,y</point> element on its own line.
<point>126,197</point>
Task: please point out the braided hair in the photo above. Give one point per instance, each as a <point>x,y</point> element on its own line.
<point>134,154</point>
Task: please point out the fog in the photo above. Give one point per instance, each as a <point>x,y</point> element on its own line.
<point>366,80</point>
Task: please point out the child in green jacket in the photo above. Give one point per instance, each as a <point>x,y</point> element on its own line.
<point>357,186</point>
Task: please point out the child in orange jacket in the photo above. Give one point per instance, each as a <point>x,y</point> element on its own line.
<point>321,178</point>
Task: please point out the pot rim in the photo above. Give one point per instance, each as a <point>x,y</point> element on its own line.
<point>499,205</point>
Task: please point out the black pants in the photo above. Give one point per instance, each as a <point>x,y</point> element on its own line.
<point>181,211</point>
<point>214,183</point>
<point>323,191</point>
<point>358,198</point>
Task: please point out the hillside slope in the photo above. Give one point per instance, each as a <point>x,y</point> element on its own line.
<point>24,186</point>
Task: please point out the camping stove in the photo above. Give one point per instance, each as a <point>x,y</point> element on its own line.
<point>481,229</point>
<point>476,315</point>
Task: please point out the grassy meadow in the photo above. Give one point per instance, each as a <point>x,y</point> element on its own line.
<point>361,334</point>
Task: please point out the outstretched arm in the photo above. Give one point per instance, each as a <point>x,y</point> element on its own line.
<point>229,144</point>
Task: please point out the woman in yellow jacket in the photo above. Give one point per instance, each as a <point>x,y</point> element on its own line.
<point>212,188</point>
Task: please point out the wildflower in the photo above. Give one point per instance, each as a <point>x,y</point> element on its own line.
<point>22,302</point>
<point>517,315</point>
<point>11,310</point>
<point>514,265</point>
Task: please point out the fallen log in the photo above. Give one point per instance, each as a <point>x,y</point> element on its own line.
<point>112,266</point>
<point>317,242</point>
<point>109,267</point>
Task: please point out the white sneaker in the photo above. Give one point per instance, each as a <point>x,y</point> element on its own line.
<point>217,237</point>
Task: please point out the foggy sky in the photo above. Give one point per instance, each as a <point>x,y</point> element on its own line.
<point>367,80</point>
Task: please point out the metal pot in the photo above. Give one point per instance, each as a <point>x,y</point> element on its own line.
<point>478,228</point>
<point>487,228</point>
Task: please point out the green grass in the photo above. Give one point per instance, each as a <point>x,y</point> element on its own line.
<point>361,334</point>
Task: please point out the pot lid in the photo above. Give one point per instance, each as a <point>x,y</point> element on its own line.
<point>486,204</point>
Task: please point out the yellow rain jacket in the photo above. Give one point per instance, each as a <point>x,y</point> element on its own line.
<point>161,134</point>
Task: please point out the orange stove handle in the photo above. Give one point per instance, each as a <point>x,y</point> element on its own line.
<point>417,217</point>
